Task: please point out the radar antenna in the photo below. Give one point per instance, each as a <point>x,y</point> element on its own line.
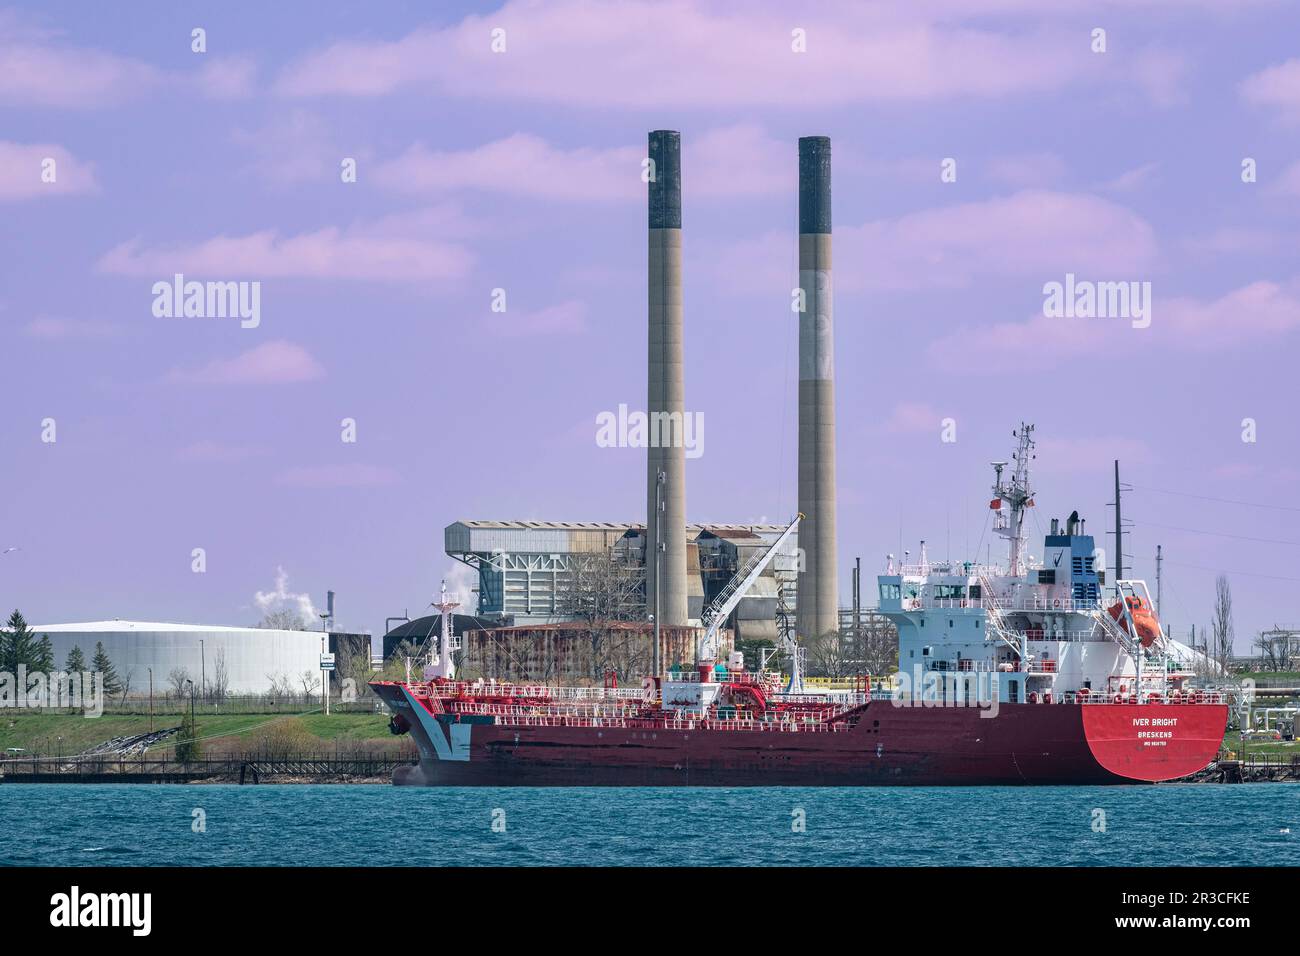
<point>1016,495</point>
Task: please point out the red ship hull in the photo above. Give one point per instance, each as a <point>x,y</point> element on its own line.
<point>885,745</point>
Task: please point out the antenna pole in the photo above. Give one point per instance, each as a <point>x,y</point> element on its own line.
<point>1159,560</point>
<point>1119,540</point>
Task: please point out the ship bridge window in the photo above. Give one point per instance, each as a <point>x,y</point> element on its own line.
<point>975,592</point>
<point>1047,576</point>
<point>890,592</point>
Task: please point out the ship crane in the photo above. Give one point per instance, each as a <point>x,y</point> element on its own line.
<point>720,608</point>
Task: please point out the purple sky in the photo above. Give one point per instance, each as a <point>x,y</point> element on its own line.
<point>521,170</point>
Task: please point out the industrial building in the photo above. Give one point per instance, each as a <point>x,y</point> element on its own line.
<point>535,573</point>
<point>538,572</point>
<point>245,660</point>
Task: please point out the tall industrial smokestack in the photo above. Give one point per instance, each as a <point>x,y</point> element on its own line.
<point>666,576</point>
<point>818,608</point>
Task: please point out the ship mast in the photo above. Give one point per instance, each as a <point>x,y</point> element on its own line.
<point>444,667</point>
<point>1016,493</point>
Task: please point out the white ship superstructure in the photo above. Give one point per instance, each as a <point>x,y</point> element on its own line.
<point>1043,628</point>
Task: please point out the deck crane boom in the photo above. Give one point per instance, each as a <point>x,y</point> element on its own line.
<point>720,608</point>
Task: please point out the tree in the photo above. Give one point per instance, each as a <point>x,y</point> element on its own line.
<point>1277,648</point>
<point>18,646</point>
<point>76,661</point>
<point>602,588</point>
<point>310,682</point>
<point>188,746</point>
<point>101,665</point>
<point>177,678</point>
<point>43,659</point>
<point>1221,630</point>
<point>220,684</point>
<point>357,668</point>
<point>826,657</point>
<point>284,619</point>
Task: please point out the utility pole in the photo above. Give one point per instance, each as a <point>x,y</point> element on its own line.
<point>656,665</point>
<point>324,675</point>
<point>150,699</point>
<point>1159,559</point>
<point>857,607</point>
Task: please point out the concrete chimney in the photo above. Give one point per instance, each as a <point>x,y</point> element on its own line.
<point>666,403</point>
<point>818,601</point>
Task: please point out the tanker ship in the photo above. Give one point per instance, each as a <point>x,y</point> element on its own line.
<point>1032,672</point>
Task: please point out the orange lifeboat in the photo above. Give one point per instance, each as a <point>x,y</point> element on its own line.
<point>1144,619</point>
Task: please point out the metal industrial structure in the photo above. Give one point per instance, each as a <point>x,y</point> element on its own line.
<point>539,572</point>
<point>818,607</point>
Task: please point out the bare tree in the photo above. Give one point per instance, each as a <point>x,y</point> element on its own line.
<point>283,619</point>
<point>220,685</point>
<point>1277,648</point>
<point>826,657</point>
<point>279,686</point>
<point>604,587</point>
<point>310,681</point>
<point>177,678</point>
<point>872,644</point>
<point>1221,629</point>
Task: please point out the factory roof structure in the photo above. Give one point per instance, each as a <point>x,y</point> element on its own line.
<point>520,525</point>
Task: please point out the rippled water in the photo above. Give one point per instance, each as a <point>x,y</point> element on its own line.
<point>108,825</point>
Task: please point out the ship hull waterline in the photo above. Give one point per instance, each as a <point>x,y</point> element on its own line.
<point>888,745</point>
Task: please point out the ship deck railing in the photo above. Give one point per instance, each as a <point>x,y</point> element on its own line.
<point>1042,605</point>
<point>454,690</point>
<point>802,725</point>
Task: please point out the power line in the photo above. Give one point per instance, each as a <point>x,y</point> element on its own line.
<point>1226,501</point>
<point>1248,574</point>
<point>1220,534</point>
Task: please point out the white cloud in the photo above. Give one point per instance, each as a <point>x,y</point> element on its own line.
<point>1276,88</point>
<point>22,166</point>
<point>581,53</point>
<point>357,252</point>
<point>738,160</point>
<point>1034,233</point>
<point>564,318</point>
<point>1243,317</point>
<point>271,363</point>
<point>47,327</point>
